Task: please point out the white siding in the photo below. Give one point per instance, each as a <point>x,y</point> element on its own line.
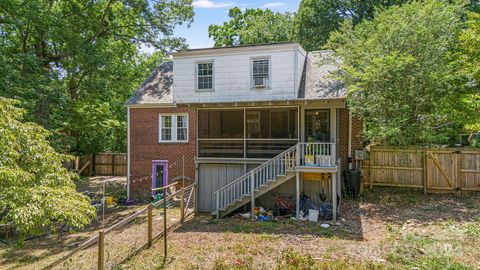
<point>232,80</point>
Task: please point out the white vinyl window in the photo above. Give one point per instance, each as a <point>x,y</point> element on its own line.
<point>205,79</point>
<point>260,73</point>
<point>173,128</point>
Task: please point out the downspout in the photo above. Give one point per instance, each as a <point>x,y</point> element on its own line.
<point>128,153</point>
<point>349,139</point>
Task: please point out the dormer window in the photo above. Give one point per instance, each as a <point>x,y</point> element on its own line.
<point>205,76</point>
<point>260,73</point>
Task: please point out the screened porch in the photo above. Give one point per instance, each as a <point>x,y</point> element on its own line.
<point>247,133</point>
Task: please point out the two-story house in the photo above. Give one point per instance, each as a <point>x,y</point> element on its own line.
<point>270,116</point>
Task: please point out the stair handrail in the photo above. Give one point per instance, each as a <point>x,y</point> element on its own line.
<point>242,177</point>
<point>257,168</point>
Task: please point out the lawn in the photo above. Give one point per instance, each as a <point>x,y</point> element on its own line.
<point>384,229</point>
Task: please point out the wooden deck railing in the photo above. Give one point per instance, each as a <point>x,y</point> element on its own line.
<point>246,184</point>
<point>317,154</point>
<point>302,154</point>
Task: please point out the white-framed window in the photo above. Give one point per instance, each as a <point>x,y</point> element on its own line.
<point>205,76</point>
<point>260,77</point>
<point>173,128</point>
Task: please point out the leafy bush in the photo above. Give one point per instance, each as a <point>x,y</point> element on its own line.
<point>36,191</point>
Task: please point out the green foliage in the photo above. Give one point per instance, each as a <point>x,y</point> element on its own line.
<point>74,63</point>
<point>470,48</point>
<point>36,191</point>
<point>403,75</point>
<point>316,19</point>
<point>252,26</point>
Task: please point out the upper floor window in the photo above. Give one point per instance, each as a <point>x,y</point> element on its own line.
<point>173,128</point>
<point>205,76</point>
<point>260,73</point>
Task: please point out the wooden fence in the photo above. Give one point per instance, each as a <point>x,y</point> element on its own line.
<point>112,246</point>
<point>433,170</point>
<point>100,164</point>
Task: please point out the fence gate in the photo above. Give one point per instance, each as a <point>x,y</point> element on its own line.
<point>442,170</point>
<point>435,170</point>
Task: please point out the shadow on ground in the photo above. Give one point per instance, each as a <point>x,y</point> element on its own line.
<point>360,218</point>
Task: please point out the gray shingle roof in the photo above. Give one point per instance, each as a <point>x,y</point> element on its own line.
<point>157,88</point>
<point>318,77</point>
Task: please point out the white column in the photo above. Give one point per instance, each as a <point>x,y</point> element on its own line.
<point>252,194</point>
<point>334,196</point>
<point>297,186</point>
<point>333,125</point>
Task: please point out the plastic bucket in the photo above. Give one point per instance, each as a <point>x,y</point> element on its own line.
<point>312,215</point>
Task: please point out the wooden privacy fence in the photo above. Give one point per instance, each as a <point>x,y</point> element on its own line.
<point>112,246</point>
<point>434,170</point>
<point>100,164</point>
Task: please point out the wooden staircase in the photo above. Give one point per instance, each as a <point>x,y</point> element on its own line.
<point>271,184</point>
<point>255,183</point>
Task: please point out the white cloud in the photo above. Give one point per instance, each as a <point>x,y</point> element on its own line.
<point>211,4</point>
<point>273,4</point>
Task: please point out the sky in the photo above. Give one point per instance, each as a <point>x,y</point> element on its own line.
<point>209,12</point>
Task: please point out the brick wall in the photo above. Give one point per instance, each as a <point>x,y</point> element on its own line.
<point>144,147</point>
<point>357,127</point>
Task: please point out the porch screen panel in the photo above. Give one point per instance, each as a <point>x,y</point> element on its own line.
<point>220,133</point>
<point>220,124</point>
<point>270,131</point>
<point>272,123</point>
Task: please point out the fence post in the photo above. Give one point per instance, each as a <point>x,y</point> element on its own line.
<point>458,173</point>
<point>425,171</point>
<point>94,165</point>
<point>182,205</point>
<point>371,168</point>
<point>101,250</point>
<point>252,193</point>
<point>164,224</point>
<point>195,209</point>
<point>150,226</point>
<point>113,164</point>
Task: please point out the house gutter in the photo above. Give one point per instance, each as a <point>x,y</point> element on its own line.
<point>128,153</point>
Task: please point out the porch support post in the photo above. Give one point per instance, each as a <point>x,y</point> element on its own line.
<point>297,154</point>
<point>252,193</point>
<point>334,196</point>
<point>297,186</point>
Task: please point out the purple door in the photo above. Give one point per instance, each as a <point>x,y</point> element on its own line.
<point>159,174</point>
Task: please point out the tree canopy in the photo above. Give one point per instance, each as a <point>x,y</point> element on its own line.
<point>403,73</point>
<point>316,19</point>
<point>252,26</point>
<point>73,64</point>
<point>36,191</point>
<point>470,61</point>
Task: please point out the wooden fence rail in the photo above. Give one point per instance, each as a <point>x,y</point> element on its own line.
<point>181,200</point>
<point>433,170</point>
<point>100,164</point>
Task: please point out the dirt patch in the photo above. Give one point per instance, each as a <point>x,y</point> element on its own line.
<point>383,229</point>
